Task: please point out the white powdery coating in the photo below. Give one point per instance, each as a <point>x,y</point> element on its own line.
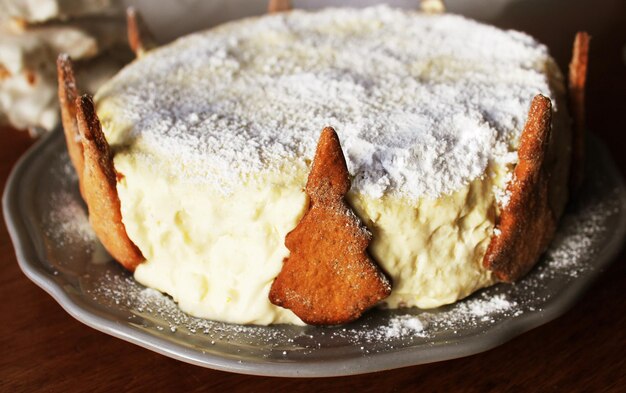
<point>481,308</point>
<point>404,325</point>
<point>572,245</point>
<point>422,104</point>
<point>68,223</point>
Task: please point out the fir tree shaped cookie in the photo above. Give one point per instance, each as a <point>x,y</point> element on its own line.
<point>329,278</point>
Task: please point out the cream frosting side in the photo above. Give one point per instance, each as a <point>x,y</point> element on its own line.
<point>217,255</point>
<point>214,135</point>
<point>432,249</point>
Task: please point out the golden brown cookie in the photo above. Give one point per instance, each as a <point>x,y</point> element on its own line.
<point>278,6</point>
<point>99,188</point>
<point>67,96</point>
<point>576,82</point>
<point>140,38</point>
<point>526,224</point>
<point>329,278</point>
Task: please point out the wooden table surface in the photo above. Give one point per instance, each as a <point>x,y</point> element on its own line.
<point>42,348</point>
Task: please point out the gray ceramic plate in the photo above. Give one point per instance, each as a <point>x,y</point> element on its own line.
<point>58,251</point>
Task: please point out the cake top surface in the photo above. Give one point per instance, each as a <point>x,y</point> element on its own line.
<point>422,103</point>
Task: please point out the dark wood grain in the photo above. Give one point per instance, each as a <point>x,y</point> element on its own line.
<point>43,349</point>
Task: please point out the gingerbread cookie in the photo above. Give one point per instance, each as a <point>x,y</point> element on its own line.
<point>99,188</point>
<point>576,83</point>
<point>329,278</point>
<point>526,224</point>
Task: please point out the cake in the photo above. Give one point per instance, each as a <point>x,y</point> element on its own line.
<point>456,138</point>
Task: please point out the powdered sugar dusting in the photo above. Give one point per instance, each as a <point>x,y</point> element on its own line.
<point>70,218</point>
<point>422,104</point>
<point>125,292</point>
<point>68,222</point>
<point>575,243</point>
<point>399,326</point>
<point>483,308</point>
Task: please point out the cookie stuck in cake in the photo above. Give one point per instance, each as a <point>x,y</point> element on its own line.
<point>329,278</point>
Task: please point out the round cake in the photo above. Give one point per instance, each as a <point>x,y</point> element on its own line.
<point>213,138</point>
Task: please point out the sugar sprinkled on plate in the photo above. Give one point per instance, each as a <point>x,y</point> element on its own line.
<point>68,222</point>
